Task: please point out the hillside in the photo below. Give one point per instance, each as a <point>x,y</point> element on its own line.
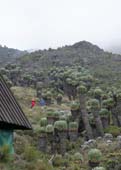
<point>78,127</point>
<point>9,54</point>
<point>104,65</point>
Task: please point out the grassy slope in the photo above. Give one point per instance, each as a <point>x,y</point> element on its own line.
<point>27,159</point>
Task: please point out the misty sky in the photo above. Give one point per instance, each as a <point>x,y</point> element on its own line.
<point>39,24</point>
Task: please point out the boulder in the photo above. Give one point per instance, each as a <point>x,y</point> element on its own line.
<point>108,136</point>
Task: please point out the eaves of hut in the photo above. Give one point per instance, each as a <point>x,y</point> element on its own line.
<point>11,114</point>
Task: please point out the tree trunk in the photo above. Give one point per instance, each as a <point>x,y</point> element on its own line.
<point>42,143</point>
<point>87,124</point>
<point>115,113</point>
<point>73,135</point>
<point>63,146</point>
<point>85,117</point>
<point>98,123</point>
<point>75,114</point>
<point>105,122</point>
<point>118,108</point>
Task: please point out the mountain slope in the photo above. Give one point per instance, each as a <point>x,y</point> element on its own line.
<point>103,65</point>
<point>9,54</point>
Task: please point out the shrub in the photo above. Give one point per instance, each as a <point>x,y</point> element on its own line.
<point>114,130</point>
<point>63,117</point>
<point>75,106</point>
<point>43,121</point>
<point>49,128</point>
<point>98,92</point>
<point>5,153</point>
<point>39,165</point>
<point>94,155</point>
<point>30,153</point>
<point>73,125</point>
<point>61,125</point>
<point>42,129</point>
<point>69,81</point>
<point>78,157</point>
<point>67,156</point>
<point>81,89</point>
<point>19,143</point>
<point>109,103</point>
<point>53,114</point>
<point>94,104</point>
<point>48,94</point>
<point>56,114</point>
<point>99,168</point>
<point>104,112</point>
<point>59,96</point>
<point>57,160</point>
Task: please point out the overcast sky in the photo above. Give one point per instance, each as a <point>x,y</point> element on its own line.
<point>39,24</point>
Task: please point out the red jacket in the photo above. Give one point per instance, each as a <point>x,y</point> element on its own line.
<point>33,103</point>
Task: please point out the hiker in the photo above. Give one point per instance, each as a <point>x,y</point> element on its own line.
<point>33,103</point>
<point>42,102</point>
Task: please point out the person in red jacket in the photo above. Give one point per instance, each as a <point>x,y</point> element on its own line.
<point>33,103</point>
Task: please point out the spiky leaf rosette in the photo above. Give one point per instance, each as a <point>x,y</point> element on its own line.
<point>73,125</point>
<point>81,89</point>
<point>43,121</point>
<point>42,130</point>
<point>61,125</point>
<point>49,129</point>
<point>77,157</point>
<point>94,104</point>
<point>48,94</point>
<point>98,92</point>
<point>69,81</point>
<point>94,155</point>
<point>53,114</point>
<point>75,106</point>
<point>104,112</point>
<point>63,117</point>
<point>59,96</point>
<point>50,114</point>
<point>109,103</point>
<point>56,114</point>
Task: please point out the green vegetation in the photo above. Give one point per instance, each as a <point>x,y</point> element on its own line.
<point>49,129</point>
<point>114,130</point>
<point>73,125</point>
<point>83,102</point>
<point>94,155</point>
<point>78,157</point>
<point>61,125</point>
<point>43,121</point>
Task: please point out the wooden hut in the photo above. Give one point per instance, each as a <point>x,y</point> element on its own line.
<point>11,116</point>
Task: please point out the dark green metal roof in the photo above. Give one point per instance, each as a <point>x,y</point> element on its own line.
<point>11,114</point>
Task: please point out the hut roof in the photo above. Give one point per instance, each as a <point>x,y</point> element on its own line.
<point>11,114</point>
